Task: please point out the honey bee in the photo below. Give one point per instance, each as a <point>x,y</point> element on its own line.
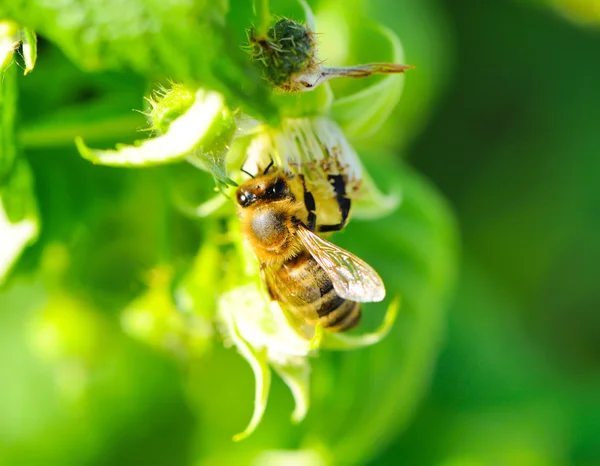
<point>313,279</point>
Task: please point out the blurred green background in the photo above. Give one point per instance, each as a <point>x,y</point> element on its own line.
<point>514,143</point>
<point>500,115</point>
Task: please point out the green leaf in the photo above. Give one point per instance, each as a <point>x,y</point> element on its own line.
<point>297,378</point>
<point>363,113</point>
<point>262,378</point>
<point>183,41</point>
<point>343,341</point>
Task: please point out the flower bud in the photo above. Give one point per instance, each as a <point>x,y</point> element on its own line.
<point>287,50</point>
<point>287,57</point>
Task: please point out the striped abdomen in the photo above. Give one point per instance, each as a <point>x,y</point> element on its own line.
<point>310,295</point>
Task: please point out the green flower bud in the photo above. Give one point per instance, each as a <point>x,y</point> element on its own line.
<point>287,50</point>
<point>11,37</point>
<point>9,41</point>
<point>287,57</point>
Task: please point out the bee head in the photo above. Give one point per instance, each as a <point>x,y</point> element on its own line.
<point>262,188</point>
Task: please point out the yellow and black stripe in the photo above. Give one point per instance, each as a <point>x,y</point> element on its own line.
<point>310,295</point>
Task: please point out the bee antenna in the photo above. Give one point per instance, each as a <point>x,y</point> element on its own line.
<point>247,173</point>
<point>267,169</point>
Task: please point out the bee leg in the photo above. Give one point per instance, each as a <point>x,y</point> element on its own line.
<point>344,203</point>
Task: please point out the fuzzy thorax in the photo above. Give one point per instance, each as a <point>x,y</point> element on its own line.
<point>269,228</point>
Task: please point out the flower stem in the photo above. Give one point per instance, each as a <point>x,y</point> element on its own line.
<point>263,13</point>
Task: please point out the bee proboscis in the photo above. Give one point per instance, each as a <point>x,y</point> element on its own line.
<point>315,280</point>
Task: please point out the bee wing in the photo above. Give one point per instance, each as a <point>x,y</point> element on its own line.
<point>288,296</point>
<point>352,278</point>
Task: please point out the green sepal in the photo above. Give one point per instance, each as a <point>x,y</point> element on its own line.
<point>10,37</point>
<point>372,203</point>
<point>29,47</point>
<point>18,198</point>
<point>363,113</point>
<point>297,378</point>
<point>19,220</point>
<point>262,377</point>
<point>9,41</point>
<point>342,341</point>
<point>8,105</point>
<point>309,16</point>
<point>206,124</point>
<point>211,155</point>
<point>15,237</point>
<point>315,341</point>
<point>305,104</point>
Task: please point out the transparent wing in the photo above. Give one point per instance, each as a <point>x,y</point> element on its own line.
<point>292,296</point>
<point>352,278</point>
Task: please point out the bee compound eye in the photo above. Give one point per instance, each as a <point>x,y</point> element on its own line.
<point>278,189</point>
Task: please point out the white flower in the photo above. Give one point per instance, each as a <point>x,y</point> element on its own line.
<point>316,147</point>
